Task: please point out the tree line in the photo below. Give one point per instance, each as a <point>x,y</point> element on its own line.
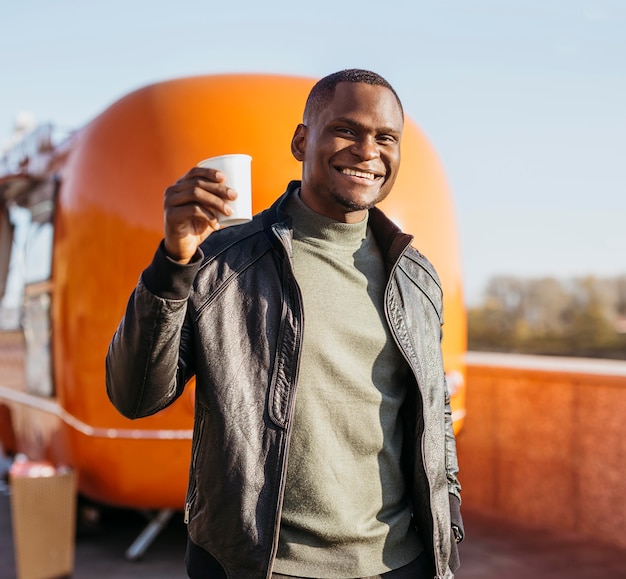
<point>574,317</point>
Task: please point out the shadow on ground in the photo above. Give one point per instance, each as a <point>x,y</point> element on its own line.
<point>494,549</point>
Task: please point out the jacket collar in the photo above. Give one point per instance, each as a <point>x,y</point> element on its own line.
<point>391,240</point>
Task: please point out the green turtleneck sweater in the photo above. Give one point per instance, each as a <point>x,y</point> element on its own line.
<point>345,512</point>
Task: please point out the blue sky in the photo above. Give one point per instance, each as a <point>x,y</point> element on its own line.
<point>523,100</point>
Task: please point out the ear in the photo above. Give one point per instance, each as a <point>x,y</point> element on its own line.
<point>298,142</point>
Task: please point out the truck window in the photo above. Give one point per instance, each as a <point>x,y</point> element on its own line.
<point>26,238</point>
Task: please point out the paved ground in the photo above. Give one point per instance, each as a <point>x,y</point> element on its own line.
<point>494,549</point>
<point>497,549</point>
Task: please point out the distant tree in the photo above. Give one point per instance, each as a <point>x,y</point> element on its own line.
<point>575,317</point>
<point>620,295</point>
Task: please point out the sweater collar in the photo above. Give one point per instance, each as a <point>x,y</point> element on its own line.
<point>313,227</point>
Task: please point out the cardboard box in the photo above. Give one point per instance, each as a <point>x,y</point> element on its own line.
<point>43,513</point>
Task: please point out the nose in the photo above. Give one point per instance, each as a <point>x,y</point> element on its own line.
<point>366,148</point>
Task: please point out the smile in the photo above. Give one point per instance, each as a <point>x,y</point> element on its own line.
<point>361,174</point>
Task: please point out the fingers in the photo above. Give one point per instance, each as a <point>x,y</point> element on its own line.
<point>191,209</point>
<point>203,174</point>
<point>190,218</point>
<point>198,201</point>
<point>201,179</point>
<point>202,187</point>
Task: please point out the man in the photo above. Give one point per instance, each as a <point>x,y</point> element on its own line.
<point>323,443</point>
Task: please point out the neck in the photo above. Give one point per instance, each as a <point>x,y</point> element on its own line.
<point>336,211</point>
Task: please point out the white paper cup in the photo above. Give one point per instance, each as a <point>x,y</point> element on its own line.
<point>237,169</point>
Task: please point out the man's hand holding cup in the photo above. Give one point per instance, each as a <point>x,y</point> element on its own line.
<point>216,193</point>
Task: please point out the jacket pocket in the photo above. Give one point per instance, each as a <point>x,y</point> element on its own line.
<point>455,560</point>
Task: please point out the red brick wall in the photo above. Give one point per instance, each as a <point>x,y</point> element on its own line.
<point>542,442</point>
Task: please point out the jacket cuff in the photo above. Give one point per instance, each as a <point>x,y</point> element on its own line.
<point>455,512</point>
<point>169,279</point>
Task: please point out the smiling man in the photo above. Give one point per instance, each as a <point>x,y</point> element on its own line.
<point>323,443</point>
<point>350,149</point>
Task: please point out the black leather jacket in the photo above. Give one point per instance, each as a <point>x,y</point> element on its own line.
<point>234,319</point>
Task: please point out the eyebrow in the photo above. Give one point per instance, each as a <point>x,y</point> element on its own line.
<point>358,125</point>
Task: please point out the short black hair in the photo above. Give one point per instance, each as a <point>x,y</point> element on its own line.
<point>324,89</point>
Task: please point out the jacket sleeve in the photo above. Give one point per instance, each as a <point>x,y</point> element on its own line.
<point>454,488</point>
<point>150,357</point>
<point>452,471</point>
<point>452,464</point>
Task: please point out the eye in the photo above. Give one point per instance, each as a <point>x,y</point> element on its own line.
<point>345,131</point>
<point>387,139</point>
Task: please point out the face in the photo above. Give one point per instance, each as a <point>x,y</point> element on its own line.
<point>350,151</point>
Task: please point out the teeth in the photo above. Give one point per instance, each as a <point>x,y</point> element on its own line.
<point>354,173</point>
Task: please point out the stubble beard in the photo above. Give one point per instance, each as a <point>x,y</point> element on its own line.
<point>352,205</point>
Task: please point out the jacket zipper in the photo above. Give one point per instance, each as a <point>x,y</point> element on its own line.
<point>283,478</point>
<point>194,454</point>
<point>413,369</point>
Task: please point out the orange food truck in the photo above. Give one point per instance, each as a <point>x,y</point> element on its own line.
<point>81,218</point>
